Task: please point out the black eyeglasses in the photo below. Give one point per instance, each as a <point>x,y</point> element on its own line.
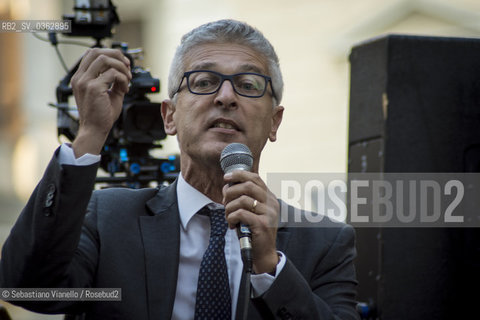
<point>247,84</point>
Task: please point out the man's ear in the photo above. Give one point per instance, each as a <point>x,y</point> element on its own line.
<point>167,110</point>
<point>277,116</point>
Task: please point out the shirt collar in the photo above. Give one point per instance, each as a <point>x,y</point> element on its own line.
<point>190,200</point>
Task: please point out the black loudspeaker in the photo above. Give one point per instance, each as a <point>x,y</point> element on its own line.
<point>415,107</point>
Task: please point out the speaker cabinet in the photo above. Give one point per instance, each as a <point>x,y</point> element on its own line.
<point>415,107</point>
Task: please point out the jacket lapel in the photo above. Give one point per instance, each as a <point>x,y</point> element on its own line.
<point>161,241</point>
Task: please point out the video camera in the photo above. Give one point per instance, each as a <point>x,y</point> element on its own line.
<point>126,154</point>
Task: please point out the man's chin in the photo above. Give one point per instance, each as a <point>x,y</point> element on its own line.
<point>213,150</point>
<point>210,149</point>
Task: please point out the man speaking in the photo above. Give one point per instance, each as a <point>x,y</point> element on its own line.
<point>174,251</point>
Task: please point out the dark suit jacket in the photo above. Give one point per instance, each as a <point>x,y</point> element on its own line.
<point>129,239</point>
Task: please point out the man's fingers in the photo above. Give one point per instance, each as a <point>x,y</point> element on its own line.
<point>93,53</point>
<point>104,63</point>
<point>96,64</point>
<point>246,203</point>
<point>248,188</point>
<point>239,176</point>
<point>114,80</point>
<point>241,216</point>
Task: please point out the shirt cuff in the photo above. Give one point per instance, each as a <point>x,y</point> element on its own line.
<point>66,156</point>
<point>262,282</point>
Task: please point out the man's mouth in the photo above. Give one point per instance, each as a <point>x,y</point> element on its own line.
<point>225,124</point>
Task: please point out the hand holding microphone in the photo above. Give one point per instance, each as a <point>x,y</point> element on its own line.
<point>250,207</point>
<point>237,156</point>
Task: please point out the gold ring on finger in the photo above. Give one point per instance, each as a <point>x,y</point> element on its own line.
<point>254,206</point>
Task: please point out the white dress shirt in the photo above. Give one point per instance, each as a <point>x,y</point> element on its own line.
<point>194,238</point>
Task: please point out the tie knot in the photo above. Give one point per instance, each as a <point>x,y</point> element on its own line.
<point>218,223</point>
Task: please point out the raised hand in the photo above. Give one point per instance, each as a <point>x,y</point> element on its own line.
<point>99,86</point>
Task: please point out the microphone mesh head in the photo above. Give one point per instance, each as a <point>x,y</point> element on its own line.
<point>236,156</point>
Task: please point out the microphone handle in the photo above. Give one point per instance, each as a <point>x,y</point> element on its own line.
<point>245,237</point>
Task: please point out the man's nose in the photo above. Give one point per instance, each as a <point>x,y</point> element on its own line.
<point>226,95</point>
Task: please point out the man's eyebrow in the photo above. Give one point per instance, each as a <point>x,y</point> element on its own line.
<point>204,66</point>
<point>250,68</point>
<point>211,66</point>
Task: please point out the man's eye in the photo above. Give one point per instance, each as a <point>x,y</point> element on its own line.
<point>249,86</point>
<point>203,83</point>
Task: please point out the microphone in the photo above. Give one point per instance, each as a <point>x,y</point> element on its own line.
<point>237,156</point>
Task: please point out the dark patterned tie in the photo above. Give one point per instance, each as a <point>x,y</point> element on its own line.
<point>213,290</point>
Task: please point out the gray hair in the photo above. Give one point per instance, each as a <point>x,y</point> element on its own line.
<point>226,31</point>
